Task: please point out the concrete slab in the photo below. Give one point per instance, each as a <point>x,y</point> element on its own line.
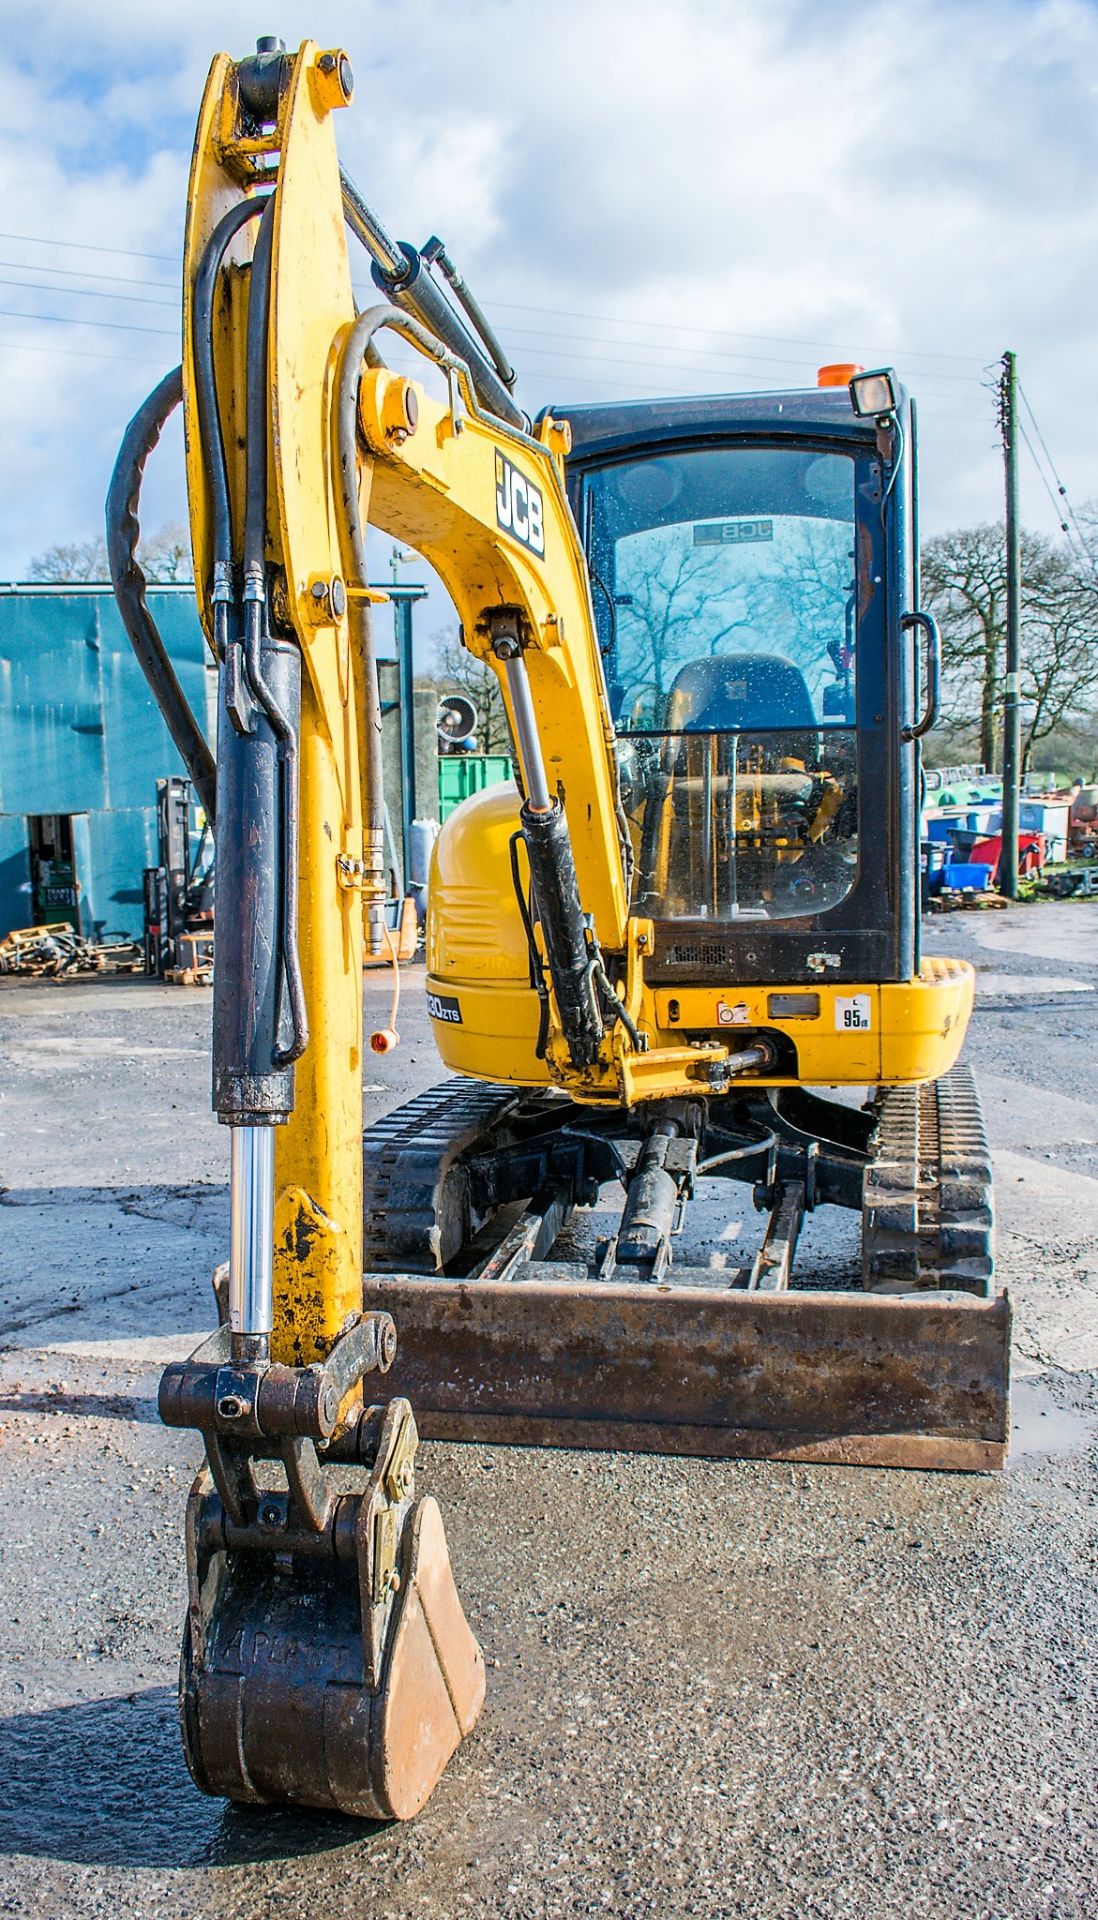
<point>1060,930</point>
<point>745,1690</point>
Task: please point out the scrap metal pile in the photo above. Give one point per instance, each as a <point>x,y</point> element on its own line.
<point>57,949</point>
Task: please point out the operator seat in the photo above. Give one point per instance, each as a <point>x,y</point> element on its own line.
<point>744,691</point>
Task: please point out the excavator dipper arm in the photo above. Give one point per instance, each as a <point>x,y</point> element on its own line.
<point>326,1658</point>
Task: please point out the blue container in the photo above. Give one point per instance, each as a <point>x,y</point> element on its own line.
<point>967,877</point>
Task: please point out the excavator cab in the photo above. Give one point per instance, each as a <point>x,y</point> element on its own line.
<point>748,579</point>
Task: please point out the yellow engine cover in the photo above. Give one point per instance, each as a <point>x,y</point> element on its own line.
<point>485,1013</point>
<point>483,1009</point>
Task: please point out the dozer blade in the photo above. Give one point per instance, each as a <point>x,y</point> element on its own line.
<point>340,1674</point>
<point>920,1380</point>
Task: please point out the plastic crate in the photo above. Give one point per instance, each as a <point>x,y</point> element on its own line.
<point>966,876</point>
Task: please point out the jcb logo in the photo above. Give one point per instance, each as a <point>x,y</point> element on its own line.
<point>519,506</point>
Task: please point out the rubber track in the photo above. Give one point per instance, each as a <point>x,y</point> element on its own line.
<point>927,1214</point>
<point>410,1214</point>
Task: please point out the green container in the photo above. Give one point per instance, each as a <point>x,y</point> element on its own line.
<point>460,774</point>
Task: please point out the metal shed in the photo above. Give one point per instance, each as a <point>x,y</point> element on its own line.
<point>82,746</point>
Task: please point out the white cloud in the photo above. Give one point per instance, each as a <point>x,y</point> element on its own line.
<point>742,191</point>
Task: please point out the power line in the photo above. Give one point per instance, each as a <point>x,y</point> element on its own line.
<point>75,353</point>
<point>88,246</point>
<point>85,273</point>
<point>1045,482</point>
<point>557,350</point>
<point>1060,487</point>
<point>68,320</point>
<point>720,359</point>
<point>88,293</point>
<point>562,340</point>
<point>907,354</point>
<point>782,339</point>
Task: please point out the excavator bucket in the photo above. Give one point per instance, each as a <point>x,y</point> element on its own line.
<point>326,1659</point>
<point>277,1698</point>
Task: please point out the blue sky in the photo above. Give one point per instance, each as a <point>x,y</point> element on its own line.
<point>649,197</point>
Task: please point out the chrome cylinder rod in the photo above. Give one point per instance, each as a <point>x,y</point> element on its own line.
<point>251,1231</point>
<point>526,735</point>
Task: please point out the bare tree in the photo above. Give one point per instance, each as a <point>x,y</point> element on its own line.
<point>964,584</point>
<point>676,602</point>
<point>165,556</point>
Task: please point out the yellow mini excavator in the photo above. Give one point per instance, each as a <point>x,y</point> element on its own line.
<point>694,910</point>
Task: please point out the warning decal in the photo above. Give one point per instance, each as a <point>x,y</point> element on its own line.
<point>853,1013</point>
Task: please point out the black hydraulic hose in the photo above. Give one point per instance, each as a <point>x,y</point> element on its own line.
<point>129,582</point>
<point>209,415</point>
<point>357,348</point>
<point>763,1144</point>
<point>435,254</point>
<point>537,975</point>
<point>400,273</point>
<point>255,624</point>
<point>257,387</point>
<point>614,1007</point>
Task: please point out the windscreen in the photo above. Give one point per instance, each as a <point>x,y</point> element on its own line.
<point>725,596</point>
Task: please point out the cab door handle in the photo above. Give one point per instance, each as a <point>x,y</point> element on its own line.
<point>929,626</point>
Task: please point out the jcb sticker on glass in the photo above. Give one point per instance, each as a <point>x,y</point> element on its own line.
<point>519,509</point>
<point>853,1013</point>
<point>735,1016</point>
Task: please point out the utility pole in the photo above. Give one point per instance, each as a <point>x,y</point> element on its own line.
<point>1012,728</point>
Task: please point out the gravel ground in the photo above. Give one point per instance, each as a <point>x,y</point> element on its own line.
<point>714,1689</point>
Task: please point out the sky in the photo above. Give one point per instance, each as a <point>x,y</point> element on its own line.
<point>649,196</point>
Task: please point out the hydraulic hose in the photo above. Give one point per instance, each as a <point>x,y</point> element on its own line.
<point>129,582</point>
<point>399,272</point>
<point>357,348</point>
<point>435,254</point>
<point>209,416</point>
<point>256,629</point>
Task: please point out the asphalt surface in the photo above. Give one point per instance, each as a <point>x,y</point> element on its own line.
<point>714,1689</point>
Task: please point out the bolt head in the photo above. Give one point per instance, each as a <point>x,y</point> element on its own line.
<point>329,1405</point>
<point>333,80</point>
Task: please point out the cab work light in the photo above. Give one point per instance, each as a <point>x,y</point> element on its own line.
<point>874,393</point>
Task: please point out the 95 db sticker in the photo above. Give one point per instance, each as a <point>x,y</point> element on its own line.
<point>853,1013</point>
